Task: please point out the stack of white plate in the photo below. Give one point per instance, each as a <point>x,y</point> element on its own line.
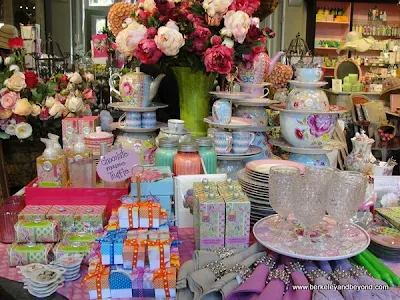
<point>72,266</point>
<point>254,180</point>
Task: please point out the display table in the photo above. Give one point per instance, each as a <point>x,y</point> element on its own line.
<point>74,291</point>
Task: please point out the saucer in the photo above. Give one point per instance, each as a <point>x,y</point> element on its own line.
<point>253,150</point>
<point>47,293</point>
<point>302,84</point>
<point>124,107</point>
<point>254,102</point>
<point>166,130</point>
<point>73,278</point>
<point>234,95</point>
<point>115,125</point>
<point>333,109</point>
<point>253,85</point>
<point>236,123</point>
<point>328,147</point>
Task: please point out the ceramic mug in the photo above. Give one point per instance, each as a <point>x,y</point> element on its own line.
<point>309,74</point>
<point>176,126</point>
<point>241,141</point>
<point>257,92</point>
<point>222,142</point>
<point>222,111</point>
<point>132,120</point>
<point>149,119</point>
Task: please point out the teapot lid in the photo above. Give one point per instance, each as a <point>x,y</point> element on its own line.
<point>362,138</point>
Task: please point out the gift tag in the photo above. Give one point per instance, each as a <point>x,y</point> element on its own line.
<point>117,165</point>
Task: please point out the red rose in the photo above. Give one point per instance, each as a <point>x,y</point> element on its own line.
<point>64,78</point>
<point>16,43</point>
<point>200,36</point>
<point>253,34</point>
<point>248,6</point>
<point>218,59</point>
<point>44,114</point>
<point>151,32</point>
<point>147,52</point>
<point>31,79</point>
<point>216,40</point>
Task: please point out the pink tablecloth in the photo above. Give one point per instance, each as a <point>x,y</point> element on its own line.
<point>73,290</point>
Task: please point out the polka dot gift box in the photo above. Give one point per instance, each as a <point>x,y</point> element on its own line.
<point>111,246</point>
<point>164,282</point>
<point>120,283</point>
<point>97,283</point>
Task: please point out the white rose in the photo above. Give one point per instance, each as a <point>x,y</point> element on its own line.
<point>9,60</point>
<point>149,5</point>
<point>128,39</point>
<point>228,42</point>
<point>169,41</point>
<point>74,104</point>
<point>172,24</point>
<point>237,23</point>
<point>35,110</point>
<point>50,102</point>
<point>57,109</point>
<point>255,22</point>
<point>213,7</point>
<point>10,129</point>
<point>70,87</point>
<point>76,78</point>
<point>89,77</point>
<point>69,75</point>
<point>14,68</point>
<point>23,130</point>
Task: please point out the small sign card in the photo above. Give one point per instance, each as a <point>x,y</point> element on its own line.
<point>118,165</point>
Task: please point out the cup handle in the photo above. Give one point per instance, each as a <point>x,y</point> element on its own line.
<point>229,147</point>
<point>214,113</point>
<point>121,118</point>
<point>319,73</point>
<point>176,128</point>
<point>111,83</point>
<point>266,94</point>
<point>252,138</point>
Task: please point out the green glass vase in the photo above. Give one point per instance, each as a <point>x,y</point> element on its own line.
<point>194,98</point>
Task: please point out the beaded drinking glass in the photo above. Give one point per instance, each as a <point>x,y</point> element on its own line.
<point>283,182</point>
<point>345,195</point>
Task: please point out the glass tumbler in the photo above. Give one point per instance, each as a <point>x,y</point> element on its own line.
<point>8,217</point>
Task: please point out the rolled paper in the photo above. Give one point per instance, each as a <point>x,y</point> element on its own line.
<point>393,278</point>
<point>360,260</point>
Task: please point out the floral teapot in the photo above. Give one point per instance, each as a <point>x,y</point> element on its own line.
<point>136,88</point>
<point>361,158</point>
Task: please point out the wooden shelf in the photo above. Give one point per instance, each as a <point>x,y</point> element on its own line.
<point>389,37</point>
<point>325,48</point>
<point>329,68</point>
<point>333,22</point>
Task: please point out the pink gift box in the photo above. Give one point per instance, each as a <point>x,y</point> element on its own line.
<point>69,130</point>
<point>65,214</point>
<point>34,212</point>
<point>88,124</point>
<point>90,218</point>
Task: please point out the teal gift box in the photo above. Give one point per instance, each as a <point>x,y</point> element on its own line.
<point>156,183</point>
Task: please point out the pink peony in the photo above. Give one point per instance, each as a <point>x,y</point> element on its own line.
<point>151,32</point>
<point>88,94</point>
<point>200,36</point>
<point>248,6</point>
<point>320,124</point>
<point>9,100</point>
<point>253,34</point>
<point>147,52</point>
<point>218,59</point>
<point>127,88</point>
<point>3,91</point>
<point>216,40</point>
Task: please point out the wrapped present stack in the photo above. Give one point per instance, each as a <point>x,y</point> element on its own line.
<point>138,254</point>
<point>47,232</point>
<point>221,215</point>
<point>74,126</point>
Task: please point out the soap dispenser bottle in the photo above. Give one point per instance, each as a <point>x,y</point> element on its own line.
<point>80,165</point>
<point>51,167</point>
<point>56,144</point>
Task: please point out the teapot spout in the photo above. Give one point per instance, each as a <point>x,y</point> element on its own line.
<point>274,60</point>
<point>155,85</point>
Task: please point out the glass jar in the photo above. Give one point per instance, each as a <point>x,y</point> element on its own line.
<point>188,160</point>
<point>8,217</point>
<point>165,154</point>
<point>208,154</point>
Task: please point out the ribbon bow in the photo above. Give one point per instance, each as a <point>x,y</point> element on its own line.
<point>149,205</point>
<point>135,244</point>
<point>98,273</point>
<point>140,277</point>
<point>113,236</point>
<point>163,274</point>
<point>112,225</point>
<point>161,249</point>
<point>130,207</point>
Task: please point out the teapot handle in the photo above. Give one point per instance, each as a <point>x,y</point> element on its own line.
<point>111,83</point>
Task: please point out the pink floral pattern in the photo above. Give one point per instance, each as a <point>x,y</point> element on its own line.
<point>127,88</point>
<point>320,124</point>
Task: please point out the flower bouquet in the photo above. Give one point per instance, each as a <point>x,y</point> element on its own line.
<point>196,39</point>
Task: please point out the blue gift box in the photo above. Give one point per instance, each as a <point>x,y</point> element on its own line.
<point>120,283</point>
<point>111,245</point>
<point>160,187</point>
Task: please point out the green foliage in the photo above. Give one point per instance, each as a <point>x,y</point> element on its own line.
<point>197,9</point>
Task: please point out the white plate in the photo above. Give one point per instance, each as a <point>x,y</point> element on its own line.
<point>253,187</point>
<point>333,109</point>
<point>242,176</point>
<point>253,150</point>
<point>253,85</point>
<point>286,243</point>
<point>301,84</point>
<point>234,95</point>
<point>115,125</point>
<point>262,198</point>
<point>328,147</point>
<point>166,130</point>
<point>236,123</point>
<point>264,165</point>
<point>43,294</point>
<point>254,102</point>
<point>124,107</point>
<point>73,278</point>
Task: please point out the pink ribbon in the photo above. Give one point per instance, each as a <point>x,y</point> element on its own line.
<point>140,274</point>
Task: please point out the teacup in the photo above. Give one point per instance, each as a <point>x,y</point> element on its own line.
<point>176,126</point>
<point>308,74</point>
<point>242,141</point>
<point>222,142</point>
<point>222,111</point>
<point>149,119</point>
<point>256,91</point>
<point>132,120</point>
